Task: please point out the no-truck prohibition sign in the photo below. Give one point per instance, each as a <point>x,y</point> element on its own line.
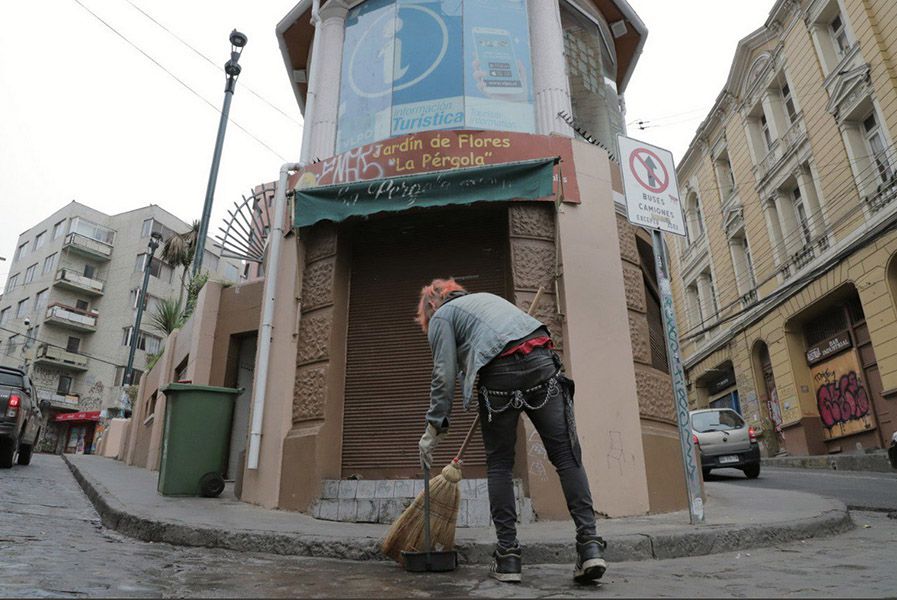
<point>649,183</point>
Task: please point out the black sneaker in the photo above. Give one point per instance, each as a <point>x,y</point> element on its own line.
<point>507,564</point>
<point>590,563</point>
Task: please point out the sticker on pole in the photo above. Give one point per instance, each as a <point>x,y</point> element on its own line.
<point>649,180</point>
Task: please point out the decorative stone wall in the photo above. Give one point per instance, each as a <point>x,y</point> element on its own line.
<point>655,394</point>
<point>316,324</point>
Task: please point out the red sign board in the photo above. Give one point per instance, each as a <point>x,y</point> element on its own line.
<point>79,416</point>
<point>440,151</point>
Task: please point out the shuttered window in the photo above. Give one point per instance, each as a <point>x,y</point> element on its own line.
<point>388,358</point>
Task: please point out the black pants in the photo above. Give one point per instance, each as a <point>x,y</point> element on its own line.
<point>521,372</point>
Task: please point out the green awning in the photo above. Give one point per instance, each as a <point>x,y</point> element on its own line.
<point>525,180</point>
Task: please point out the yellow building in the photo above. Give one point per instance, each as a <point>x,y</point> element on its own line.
<point>786,284</point>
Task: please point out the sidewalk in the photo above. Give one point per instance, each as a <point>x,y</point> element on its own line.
<point>875,460</point>
<point>737,518</point>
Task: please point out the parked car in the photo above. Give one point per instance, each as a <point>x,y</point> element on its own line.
<point>725,440</point>
<point>20,417</point>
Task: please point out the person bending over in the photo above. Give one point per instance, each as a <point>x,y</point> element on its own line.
<point>519,371</point>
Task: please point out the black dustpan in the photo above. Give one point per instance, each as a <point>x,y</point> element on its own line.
<point>429,561</point>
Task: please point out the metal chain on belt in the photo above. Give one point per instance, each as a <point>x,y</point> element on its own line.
<point>517,398</point>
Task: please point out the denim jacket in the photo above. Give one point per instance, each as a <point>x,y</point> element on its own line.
<point>465,333</point>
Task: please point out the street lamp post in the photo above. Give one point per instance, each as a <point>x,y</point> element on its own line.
<point>155,238</point>
<point>232,69</point>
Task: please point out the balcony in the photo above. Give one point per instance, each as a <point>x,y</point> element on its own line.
<point>781,150</point>
<point>58,400</point>
<point>72,318</point>
<point>72,280</point>
<point>884,195</point>
<point>57,357</point>
<point>805,255</point>
<point>86,246</point>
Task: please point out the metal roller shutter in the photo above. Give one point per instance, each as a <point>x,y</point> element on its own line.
<point>388,359</point>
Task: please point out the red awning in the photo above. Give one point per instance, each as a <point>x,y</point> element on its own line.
<point>79,416</point>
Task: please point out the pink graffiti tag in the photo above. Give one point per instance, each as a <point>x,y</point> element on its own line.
<point>843,400</point>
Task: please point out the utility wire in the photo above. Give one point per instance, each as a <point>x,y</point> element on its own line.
<point>39,341</point>
<point>212,62</point>
<point>178,79</point>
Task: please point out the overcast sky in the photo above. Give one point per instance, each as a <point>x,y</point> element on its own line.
<point>85,116</point>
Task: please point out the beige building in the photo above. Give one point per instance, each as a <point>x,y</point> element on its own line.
<point>69,305</point>
<point>785,285</point>
<point>339,382</point>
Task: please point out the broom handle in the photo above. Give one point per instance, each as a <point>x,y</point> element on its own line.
<point>476,420</point>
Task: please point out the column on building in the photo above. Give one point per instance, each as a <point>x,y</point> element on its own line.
<point>808,192</point>
<point>770,213</point>
<point>739,264</point>
<point>705,294</point>
<point>774,117</point>
<point>324,84</point>
<point>787,222</point>
<point>550,84</point>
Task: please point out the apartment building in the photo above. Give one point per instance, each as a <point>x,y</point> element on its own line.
<point>68,309</point>
<point>786,283</point>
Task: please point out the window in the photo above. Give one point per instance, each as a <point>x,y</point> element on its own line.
<point>92,230</point>
<point>31,336</point>
<point>145,341</point>
<point>22,308</point>
<point>656,332</point>
<point>764,127</point>
<point>120,376</point>
<point>151,226</point>
<point>4,315</point>
<point>12,282</point>
<point>29,273</point>
<point>40,301</point>
<point>21,250</point>
<point>81,305</point>
<point>788,101</point>
<point>877,147</point>
<point>58,229</point>
<point>699,217</point>
<point>39,240</point>
<point>800,212</point>
<point>591,62</point>
<point>49,263</point>
<point>839,36</point>
<point>12,344</point>
<point>73,344</point>
<point>64,385</point>
<point>90,271</point>
<point>158,268</point>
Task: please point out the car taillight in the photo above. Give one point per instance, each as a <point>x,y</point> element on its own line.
<point>12,408</point>
<point>752,435</point>
<point>694,438</point>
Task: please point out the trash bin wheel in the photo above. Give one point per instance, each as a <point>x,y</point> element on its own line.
<point>211,485</point>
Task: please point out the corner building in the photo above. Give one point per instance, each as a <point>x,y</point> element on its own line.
<point>436,145</point>
<point>785,285</point>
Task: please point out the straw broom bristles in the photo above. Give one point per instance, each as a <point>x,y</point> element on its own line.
<point>407,532</point>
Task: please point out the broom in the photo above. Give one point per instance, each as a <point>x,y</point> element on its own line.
<point>407,532</point>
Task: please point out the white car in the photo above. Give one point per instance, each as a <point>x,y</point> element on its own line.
<point>725,440</point>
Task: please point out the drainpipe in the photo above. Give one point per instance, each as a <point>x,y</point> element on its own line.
<point>267,326</point>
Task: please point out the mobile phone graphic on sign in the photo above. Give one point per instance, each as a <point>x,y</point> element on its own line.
<point>498,64</point>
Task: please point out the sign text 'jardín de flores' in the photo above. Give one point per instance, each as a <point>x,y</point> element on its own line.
<point>440,151</point>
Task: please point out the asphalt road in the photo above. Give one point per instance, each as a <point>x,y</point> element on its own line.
<point>53,545</point>
<point>857,489</point>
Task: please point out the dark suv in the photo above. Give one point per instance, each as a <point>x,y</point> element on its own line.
<point>20,417</point>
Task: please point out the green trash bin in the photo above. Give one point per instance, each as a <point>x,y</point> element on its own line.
<point>195,439</point>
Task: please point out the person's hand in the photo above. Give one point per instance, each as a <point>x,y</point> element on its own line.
<point>428,442</point>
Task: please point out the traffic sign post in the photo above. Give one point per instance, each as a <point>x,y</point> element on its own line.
<point>652,197</point>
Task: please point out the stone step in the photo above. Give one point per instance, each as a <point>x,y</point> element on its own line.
<point>383,500</point>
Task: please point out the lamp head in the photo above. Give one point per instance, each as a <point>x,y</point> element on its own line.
<point>232,68</point>
<point>238,39</point>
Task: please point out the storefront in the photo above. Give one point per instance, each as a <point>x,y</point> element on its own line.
<point>79,431</point>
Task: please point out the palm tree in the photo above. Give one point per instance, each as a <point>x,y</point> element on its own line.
<point>167,316</point>
<point>178,251</point>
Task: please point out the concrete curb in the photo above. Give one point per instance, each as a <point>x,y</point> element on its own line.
<point>711,539</point>
<point>874,461</point>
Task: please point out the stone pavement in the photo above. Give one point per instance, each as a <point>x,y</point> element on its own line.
<point>737,518</point>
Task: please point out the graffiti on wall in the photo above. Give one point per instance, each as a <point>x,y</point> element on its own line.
<point>841,398</point>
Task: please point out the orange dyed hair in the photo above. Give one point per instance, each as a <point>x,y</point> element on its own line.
<point>432,297</point>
